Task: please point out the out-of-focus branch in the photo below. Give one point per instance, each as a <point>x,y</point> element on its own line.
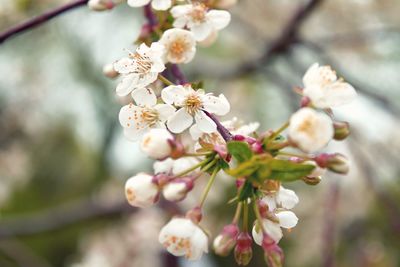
<point>60,217</point>
<point>288,37</point>
<point>34,22</point>
<point>21,254</point>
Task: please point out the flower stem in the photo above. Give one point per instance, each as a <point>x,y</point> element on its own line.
<point>194,167</point>
<point>245,216</point>
<point>277,132</point>
<point>283,153</point>
<point>208,186</point>
<point>258,215</point>
<point>165,80</point>
<point>176,71</point>
<point>237,213</point>
<point>150,16</point>
<point>196,154</point>
<point>220,128</point>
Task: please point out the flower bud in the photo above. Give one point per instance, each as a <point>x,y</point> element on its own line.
<point>342,130</point>
<point>334,162</point>
<point>100,5</point>
<point>314,180</point>
<point>226,240</point>
<point>273,254</point>
<point>156,143</point>
<point>177,189</point>
<point>305,101</point>
<point>194,214</point>
<point>140,191</point>
<point>109,71</point>
<point>243,250</point>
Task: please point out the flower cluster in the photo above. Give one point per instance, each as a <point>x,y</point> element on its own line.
<point>162,111</point>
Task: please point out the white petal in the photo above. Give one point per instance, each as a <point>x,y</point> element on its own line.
<point>144,97</point>
<point>219,18</point>
<point>311,76</point>
<point>173,94</point>
<point>127,84</point>
<point>195,132</point>
<point>216,105</point>
<point>270,200</point>
<point>129,117</point>
<point>124,65</point>
<point>287,219</point>
<point>180,10</point>
<point>199,243</point>
<point>134,134</point>
<point>257,235</point>
<point>205,123</point>
<point>201,31</point>
<point>183,164</point>
<point>165,111</point>
<point>146,79</point>
<point>180,121</point>
<point>161,4</point>
<point>138,3</point>
<point>287,198</point>
<point>339,93</point>
<point>273,230</point>
<point>163,166</point>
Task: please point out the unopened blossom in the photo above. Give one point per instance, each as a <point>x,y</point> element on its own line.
<point>177,189</point>
<point>109,71</point>
<point>141,191</point>
<point>173,167</point>
<point>138,119</point>
<point>140,68</point>
<point>310,130</point>
<point>192,106</point>
<point>157,143</point>
<point>156,4</point>
<point>182,237</point>
<point>324,89</point>
<point>285,219</point>
<point>102,5</point>
<point>226,240</point>
<point>180,45</point>
<point>199,19</point>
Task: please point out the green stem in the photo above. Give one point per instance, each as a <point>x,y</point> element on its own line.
<point>237,213</point>
<point>196,154</point>
<point>165,80</point>
<point>208,186</point>
<point>283,153</point>
<point>277,132</point>
<point>245,216</point>
<point>194,167</point>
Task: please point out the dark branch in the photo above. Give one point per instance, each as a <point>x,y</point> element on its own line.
<point>31,23</point>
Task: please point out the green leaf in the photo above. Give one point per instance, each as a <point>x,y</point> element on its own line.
<point>287,171</point>
<point>240,151</point>
<point>244,169</point>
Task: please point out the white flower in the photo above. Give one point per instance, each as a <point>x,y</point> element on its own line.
<point>324,89</point>
<point>140,191</point>
<point>156,143</point>
<point>181,237</point>
<point>237,127</point>
<point>180,45</point>
<point>137,120</point>
<point>201,21</point>
<point>156,4</point>
<point>192,106</point>
<point>140,68</point>
<point>284,198</point>
<point>310,130</point>
<point>287,219</point>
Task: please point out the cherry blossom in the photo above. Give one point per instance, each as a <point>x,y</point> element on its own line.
<point>192,106</point>
<point>325,90</point>
<point>140,191</point>
<point>199,19</point>
<point>156,4</point>
<point>180,45</point>
<point>156,143</point>
<point>140,68</point>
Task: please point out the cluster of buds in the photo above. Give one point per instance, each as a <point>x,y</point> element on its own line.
<point>161,112</point>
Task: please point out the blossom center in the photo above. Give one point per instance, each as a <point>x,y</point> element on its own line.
<point>178,47</point>
<point>143,63</point>
<point>193,104</point>
<point>149,116</point>
<point>198,13</point>
<point>307,127</point>
<point>178,244</point>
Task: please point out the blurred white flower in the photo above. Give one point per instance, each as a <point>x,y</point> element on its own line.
<point>284,198</point>
<point>201,21</point>
<point>180,45</point>
<point>181,237</point>
<point>310,130</point>
<point>192,106</point>
<point>286,219</point>
<point>156,4</point>
<point>140,191</point>
<point>170,166</point>
<point>137,120</point>
<point>324,89</point>
<point>156,143</point>
<point>139,69</point>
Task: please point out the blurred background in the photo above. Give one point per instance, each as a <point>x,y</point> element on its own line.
<point>64,160</point>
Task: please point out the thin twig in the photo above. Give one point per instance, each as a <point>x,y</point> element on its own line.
<point>34,22</point>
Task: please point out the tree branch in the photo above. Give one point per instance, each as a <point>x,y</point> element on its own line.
<point>34,22</point>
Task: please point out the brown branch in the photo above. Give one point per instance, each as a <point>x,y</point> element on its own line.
<point>288,37</point>
<point>34,22</point>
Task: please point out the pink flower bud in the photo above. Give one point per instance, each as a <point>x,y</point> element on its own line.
<point>194,214</point>
<point>226,240</point>
<point>273,254</point>
<point>257,148</point>
<point>243,250</point>
<point>334,162</point>
<point>305,101</point>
